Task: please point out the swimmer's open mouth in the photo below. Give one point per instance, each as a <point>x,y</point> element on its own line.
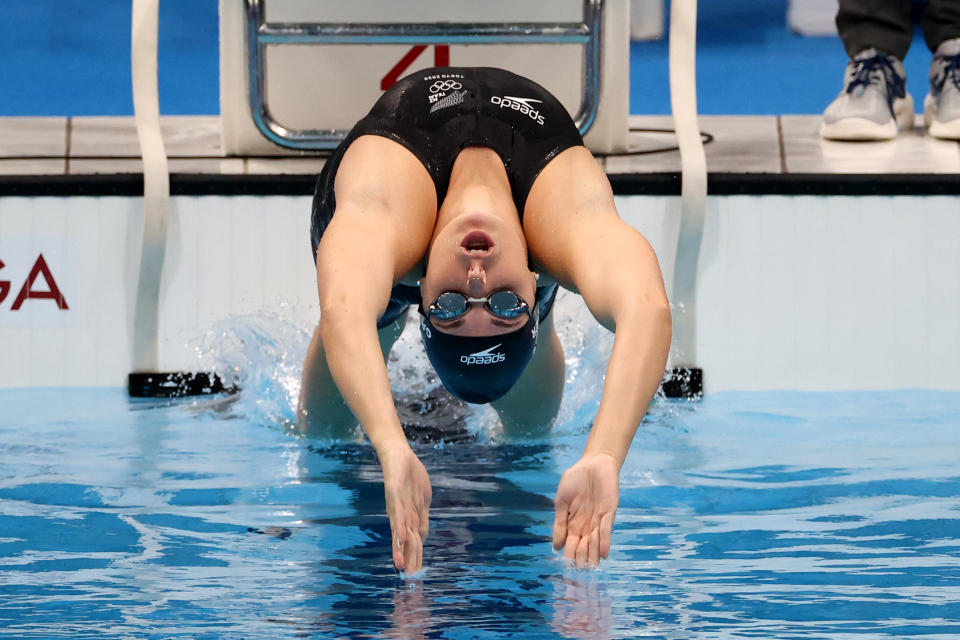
<point>477,242</point>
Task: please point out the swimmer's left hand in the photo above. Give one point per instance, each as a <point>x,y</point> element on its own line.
<point>586,504</point>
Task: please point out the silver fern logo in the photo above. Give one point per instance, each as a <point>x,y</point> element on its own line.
<point>451,100</point>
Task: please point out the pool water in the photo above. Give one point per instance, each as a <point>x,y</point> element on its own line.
<point>745,515</point>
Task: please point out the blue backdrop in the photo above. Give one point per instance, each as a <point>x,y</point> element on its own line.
<point>72,57</point>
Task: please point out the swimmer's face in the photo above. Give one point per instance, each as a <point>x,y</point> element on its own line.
<point>477,254</point>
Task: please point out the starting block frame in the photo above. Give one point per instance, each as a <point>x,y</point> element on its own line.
<point>260,34</point>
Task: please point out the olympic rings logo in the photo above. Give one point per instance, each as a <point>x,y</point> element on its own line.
<point>445,85</point>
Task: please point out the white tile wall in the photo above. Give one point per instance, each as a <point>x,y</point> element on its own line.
<point>831,293</point>
<point>232,256</point>
<point>795,293</point>
<point>89,348</point>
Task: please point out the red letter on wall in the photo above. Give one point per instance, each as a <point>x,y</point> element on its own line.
<point>4,286</point>
<point>39,267</point>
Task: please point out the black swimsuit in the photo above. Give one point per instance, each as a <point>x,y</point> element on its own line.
<point>436,113</point>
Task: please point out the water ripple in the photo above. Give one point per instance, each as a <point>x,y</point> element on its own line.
<point>747,515</point>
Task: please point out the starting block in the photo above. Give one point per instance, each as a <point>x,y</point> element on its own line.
<point>295,75</point>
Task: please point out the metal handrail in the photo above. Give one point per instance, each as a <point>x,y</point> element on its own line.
<point>260,34</point>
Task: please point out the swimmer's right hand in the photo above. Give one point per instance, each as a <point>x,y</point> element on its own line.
<point>406,487</point>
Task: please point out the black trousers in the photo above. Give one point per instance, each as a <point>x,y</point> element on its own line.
<point>886,25</point>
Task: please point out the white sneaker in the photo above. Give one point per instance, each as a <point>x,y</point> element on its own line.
<point>874,103</point>
<point>941,108</point>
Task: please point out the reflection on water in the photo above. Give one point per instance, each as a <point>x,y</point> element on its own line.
<point>410,619</point>
<point>476,516</point>
<point>581,607</point>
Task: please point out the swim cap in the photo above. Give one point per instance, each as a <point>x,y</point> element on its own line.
<point>480,369</point>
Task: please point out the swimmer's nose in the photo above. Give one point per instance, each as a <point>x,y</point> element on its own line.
<point>476,279</point>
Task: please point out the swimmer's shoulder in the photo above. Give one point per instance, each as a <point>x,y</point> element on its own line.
<point>385,202</point>
<point>377,175</point>
<point>376,165</point>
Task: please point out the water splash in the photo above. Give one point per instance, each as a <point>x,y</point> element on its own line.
<point>586,346</point>
<point>264,353</point>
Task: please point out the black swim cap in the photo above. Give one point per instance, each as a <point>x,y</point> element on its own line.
<point>480,369</point>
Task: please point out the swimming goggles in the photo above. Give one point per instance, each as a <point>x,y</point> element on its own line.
<point>453,304</point>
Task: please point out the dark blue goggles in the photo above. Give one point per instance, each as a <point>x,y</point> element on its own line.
<point>501,304</point>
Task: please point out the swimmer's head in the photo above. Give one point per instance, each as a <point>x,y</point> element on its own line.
<point>481,369</point>
<point>479,354</point>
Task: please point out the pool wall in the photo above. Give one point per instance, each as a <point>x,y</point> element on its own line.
<point>796,292</point>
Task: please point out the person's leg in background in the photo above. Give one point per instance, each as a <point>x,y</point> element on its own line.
<point>884,25</point>
<point>874,103</point>
<point>940,22</point>
<point>941,30</point>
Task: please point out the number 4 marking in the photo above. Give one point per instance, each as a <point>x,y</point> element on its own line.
<point>441,58</point>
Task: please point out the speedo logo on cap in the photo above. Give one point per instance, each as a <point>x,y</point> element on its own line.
<point>484,357</point>
<point>523,105</point>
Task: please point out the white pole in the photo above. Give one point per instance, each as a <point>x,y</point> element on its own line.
<point>683,101</point>
<point>156,182</point>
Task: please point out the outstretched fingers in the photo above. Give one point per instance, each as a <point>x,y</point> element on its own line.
<point>407,550</point>
<point>570,548</point>
<point>417,532</point>
<point>606,528</point>
<point>414,552</point>
<point>560,524</point>
<point>593,549</point>
<point>586,540</point>
<point>407,494</point>
<point>424,524</point>
<point>399,535</point>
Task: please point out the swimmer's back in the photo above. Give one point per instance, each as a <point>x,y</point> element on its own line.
<point>437,112</point>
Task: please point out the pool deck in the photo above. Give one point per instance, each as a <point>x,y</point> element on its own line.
<point>747,154</point>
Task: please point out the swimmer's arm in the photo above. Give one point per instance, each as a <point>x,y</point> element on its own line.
<point>575,233</point>
<point>616,271</point>
<point>354,287</point>
<point>624,291</point>
<point>622,288</point>
<point>355,283</point>
<point>322,411</point>
<point>386,207</point>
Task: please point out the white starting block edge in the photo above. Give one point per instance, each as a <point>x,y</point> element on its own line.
<point>813,293</point>
<point>340,103</point>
